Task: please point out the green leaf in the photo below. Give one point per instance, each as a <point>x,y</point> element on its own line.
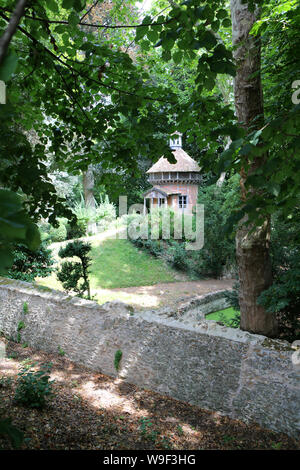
<point>8,66</point>
<point>147,20</point>
<point>152,35</point>
<point>226,23</point>
<point>52,5</point>
<point>67,4</point>
<point>274,189</point>
<point>73,19</point>
<point>7,429</point>
<point>140,32</point>
<point>246,149</point>
<point>221,14</point>
<point>199,12</point>
<point>177,57</point>
<point>6,259</point>
<point>207,40</point>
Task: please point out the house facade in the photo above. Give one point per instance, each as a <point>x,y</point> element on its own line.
<point>174,185</point>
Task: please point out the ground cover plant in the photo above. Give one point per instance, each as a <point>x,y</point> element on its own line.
<point>228,316</point>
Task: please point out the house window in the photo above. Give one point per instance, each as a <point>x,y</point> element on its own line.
<point>182,201</point>
<point>161,201</point>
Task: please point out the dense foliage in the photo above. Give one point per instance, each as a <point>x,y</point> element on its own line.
<point>217,257</point>
<point>15,227</point>
<point>283,297</point>
<point>102,214</point>
<point>28,264</point>
<point>72,274</point>
<point>34,387</point>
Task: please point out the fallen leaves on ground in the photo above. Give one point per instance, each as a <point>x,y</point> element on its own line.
<point>91,411</point>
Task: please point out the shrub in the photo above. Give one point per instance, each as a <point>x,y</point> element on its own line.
<point>105,210</point>
<point>75,231</point>
<point>59,234</point>
<point>102,213</point>
<point>117,360</point>
<point>84,215</point>
<point>72,272</point>
<point>283,299</point>
<point>178,256</point>
<point>33,387</point>
<point>155,247</point>
<point>5,382</point>
<point>218,253</point>
<point>29,264</point>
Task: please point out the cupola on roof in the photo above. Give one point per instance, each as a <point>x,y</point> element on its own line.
<point>183,163</point>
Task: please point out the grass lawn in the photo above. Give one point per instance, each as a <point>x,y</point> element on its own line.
<point>225,315</point>
<point>118,263</point>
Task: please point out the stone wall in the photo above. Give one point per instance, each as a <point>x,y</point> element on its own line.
<point>194,309</point>
<point>241,375</point>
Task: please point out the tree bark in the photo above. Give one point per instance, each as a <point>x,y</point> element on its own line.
<point>11,28</point>
<point>89,200</point>
<point>252,248</point>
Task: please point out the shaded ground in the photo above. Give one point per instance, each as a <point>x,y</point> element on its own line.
<point>93,411</point>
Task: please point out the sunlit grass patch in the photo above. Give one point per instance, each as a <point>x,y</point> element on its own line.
<point>117,263</point>
<point>226,316</point>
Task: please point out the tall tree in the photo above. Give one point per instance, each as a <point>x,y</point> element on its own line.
<point>252,243</point>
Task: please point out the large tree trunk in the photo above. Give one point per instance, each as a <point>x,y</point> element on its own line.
<point>252,249</point>
<point>88,189</point>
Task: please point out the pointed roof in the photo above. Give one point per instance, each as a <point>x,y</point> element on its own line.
<point>183,163</point>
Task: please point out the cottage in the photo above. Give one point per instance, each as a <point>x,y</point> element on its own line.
<point>175,185</point>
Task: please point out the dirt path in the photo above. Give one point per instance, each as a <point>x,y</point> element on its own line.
<point>169,293</point>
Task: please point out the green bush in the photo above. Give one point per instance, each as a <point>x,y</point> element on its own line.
<point>218,252</point>
<point>72,272</point>
<point>178,256</point>
<point>283,297</point>
<point>29,264</point>
<point>59,234</point>
<point>75,231</point>
<point>105,210</point>
<point>102,214</point>
<point>33,387</point>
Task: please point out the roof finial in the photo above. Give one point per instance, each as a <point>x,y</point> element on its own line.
<point>176,141</point>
